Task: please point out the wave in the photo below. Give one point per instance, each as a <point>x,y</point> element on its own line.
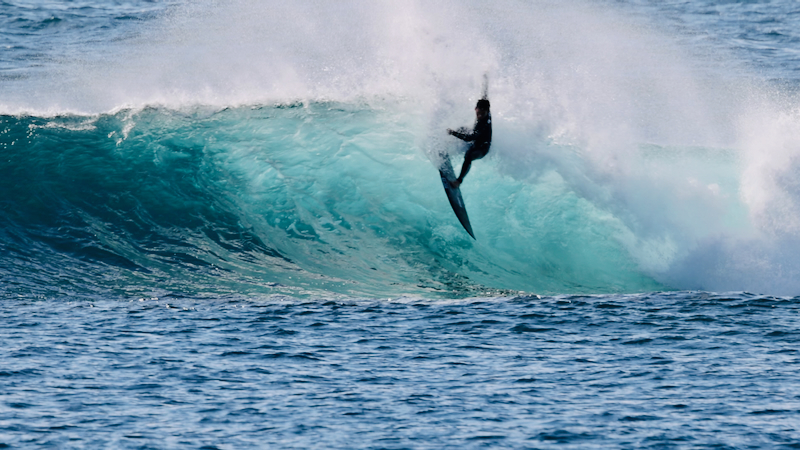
<point>286,199</point>
<point>225,148</point>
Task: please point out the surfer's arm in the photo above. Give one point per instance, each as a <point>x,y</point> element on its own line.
<point>469,137</point>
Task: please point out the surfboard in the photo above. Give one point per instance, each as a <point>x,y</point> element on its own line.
<point>454,194</point>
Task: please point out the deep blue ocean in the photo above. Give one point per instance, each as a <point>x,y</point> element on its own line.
<point>222,226</point>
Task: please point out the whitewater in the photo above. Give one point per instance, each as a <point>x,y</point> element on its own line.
<point>221,224</point>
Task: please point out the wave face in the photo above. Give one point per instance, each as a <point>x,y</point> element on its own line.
<point>299,199</point>
<point>267,148</point>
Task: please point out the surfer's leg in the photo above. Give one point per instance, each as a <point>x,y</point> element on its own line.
<point>472,155</point>
<point>465,168</point>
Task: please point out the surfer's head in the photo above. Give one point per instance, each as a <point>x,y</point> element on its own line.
<point>482,108</point>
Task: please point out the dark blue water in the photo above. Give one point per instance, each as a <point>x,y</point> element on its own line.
<point>686,370</point>
<point>221,226</point>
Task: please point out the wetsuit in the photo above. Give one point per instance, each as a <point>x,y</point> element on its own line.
<point>481,140</point>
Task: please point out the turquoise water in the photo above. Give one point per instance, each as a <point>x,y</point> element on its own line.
<point>221,225</point>
<point>262,199</point>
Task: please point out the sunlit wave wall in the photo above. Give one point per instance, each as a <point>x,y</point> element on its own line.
<point>264,147</point>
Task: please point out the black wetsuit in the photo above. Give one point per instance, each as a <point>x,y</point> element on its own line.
<point>480,139</point>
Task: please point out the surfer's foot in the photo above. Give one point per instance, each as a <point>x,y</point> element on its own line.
<point>455,184</point>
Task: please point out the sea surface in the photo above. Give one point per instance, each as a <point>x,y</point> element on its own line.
<point>221,225</point>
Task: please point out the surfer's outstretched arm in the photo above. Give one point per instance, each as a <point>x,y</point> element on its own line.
<point>469,137</point>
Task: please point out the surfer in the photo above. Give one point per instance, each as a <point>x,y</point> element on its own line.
<point>480,139</point>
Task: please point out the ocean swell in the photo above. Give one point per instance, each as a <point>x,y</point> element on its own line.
<point>286,148</point>
<point>290,199</point>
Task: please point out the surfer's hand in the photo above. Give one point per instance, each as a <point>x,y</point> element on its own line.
<point>450,132</point>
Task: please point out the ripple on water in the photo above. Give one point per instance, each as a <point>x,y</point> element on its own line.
<point>510,373</point>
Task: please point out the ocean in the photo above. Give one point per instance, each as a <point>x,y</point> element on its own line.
<point>222,226</point>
